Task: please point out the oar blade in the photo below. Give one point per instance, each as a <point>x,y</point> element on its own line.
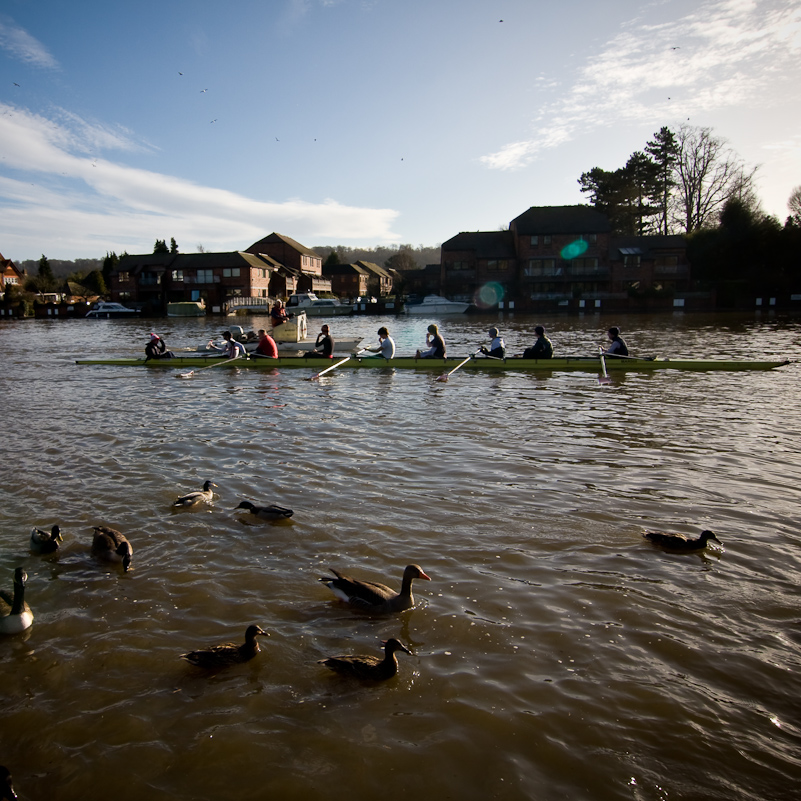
<point>604,379</point>
<point>443,377</point>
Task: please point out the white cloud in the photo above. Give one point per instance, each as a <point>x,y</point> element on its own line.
<point>722,54</point>
<point>128,208</point>
<point>22,46</point>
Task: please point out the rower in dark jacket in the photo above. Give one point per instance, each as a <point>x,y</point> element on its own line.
<point>542,348</point>
<point>617,346</point>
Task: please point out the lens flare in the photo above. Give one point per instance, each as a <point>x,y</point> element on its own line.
<point>574,249</point>
<point>488,295</point>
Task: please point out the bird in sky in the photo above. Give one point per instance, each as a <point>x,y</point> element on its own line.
<point>15,83</point>
<point>180,73</point>
<point>203,90</point>
<point>214,120</point>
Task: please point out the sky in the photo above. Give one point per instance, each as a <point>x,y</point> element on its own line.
<point>364,122</point>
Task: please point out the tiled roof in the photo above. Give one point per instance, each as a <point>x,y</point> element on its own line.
<point>484,244</point>
<point>561,220</point>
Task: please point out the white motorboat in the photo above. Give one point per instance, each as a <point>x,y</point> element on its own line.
<point>105,310</point>
<point>318,307</point>
<point>436,304</point>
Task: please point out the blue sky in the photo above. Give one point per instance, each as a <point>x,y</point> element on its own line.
<point>363,122</point>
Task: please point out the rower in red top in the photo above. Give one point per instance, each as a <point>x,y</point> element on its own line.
<point>266,346</point>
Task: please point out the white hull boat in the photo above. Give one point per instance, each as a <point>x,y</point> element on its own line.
<point>435,304</point>
<point>106,310</point>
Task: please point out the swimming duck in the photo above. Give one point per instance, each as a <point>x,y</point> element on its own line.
<point>373,597</point>
<point>272,512</point>
<point>108,544</point>
<point>6,785</point>
<point>45,541</point>
<point>194,498</point>
<point>373,668</point>
<point>678,542</point>
<point>15,614</point>
<point>220,656</point>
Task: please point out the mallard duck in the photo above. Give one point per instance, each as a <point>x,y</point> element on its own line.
<point>373,668</point>
<point>108,544</point>
<point>373,597</point>
<point>15,614</point>
<point>45,541</point>
<point>229,653</point>
<point>678,542</point>
<point>193,498</point>
<point>272,512</point>
<point>6,785</point>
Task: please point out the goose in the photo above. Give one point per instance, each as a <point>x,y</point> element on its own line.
<point>372,668</point>
<point>45,541</point>
<point>194,498</point>
<point>15,614</point>
<point>373,597</point>
<point>6,785</point>
<point>678,542</point>
<point>220,656</point>
<point>108,544</point>
<point>272,512</point>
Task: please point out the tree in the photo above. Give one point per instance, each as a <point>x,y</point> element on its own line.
<point>707,174</point>
<point>160,247</point>
<point>663,150</point>
<point>109,265</point>
<point>332,260</point>
<point>794,204</point>
<point>401,261</point>
<point>173,245</point>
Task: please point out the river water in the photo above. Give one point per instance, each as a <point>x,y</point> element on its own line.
<point>556,654</point>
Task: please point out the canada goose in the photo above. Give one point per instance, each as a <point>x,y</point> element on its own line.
<point>373,597</point>
<point>111,546</point>
<point>15,614</point>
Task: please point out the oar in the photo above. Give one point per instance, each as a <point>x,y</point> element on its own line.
<point>444,376</point>
<point>200,369</point>
<point>316,376</point>
<point>603,379</point>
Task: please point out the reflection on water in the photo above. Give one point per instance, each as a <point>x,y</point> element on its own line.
<point>556,653</point>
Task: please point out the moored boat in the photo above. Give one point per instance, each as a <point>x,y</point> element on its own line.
<point>589,364</point>
<point>435,305</point>
<point>106,310</point>
<point>186,308</point>
<point>318,307</point>
<point>290,337</point>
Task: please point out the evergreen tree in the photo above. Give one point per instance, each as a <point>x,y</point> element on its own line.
<point>160,247</point>
<point>664,152</point>
<point>173,245</point>
<point>109,265</point>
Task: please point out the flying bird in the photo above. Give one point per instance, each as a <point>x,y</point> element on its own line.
<point>203,90</point>
<point>15,83</point>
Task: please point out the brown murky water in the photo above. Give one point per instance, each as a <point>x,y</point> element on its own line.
<point>556,654</point>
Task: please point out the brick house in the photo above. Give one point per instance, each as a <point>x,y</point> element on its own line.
<point>359,279</point>
<point>302,263</point>
<point>11,273</point>
<point>561,256</point>
<point>156,279</point>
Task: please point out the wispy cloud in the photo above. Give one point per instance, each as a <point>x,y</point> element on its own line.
<point>725,52</point>
<point>19,44</point>
<point>127,208</point>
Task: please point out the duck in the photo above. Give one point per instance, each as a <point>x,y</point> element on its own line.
<point>194,498</point>
<point>272,512</point>
<point>678,542</point>
<point>229,653</point>
<point>6,785</point>
<point>108,544</point>
<point>370,596</point>
<point>372,668</point>
<point>45,541</point>
<point>15,614</point>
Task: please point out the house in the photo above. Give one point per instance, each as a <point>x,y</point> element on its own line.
<point>562,257</point>
<point>359,279</point>
<point>304,267</point>
<point>12,275</point>
<point>156,279</point>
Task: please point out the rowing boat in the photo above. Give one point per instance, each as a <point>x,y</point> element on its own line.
<point>576,363</point>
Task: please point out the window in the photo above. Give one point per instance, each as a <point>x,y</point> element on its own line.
<point>666,261</point>
<point>546,239</point>
<point>124,277</point>
<point>631,261</point>
<point>11,279</point>
<point>231,272</point>
<point>540,267</point>
<point>535,241</point>
<point>460,265</point>
<point>590,238</point>
<point>178,276</point>
<point>205,276</point>
<point>497,265</point>
<point>149,279</point>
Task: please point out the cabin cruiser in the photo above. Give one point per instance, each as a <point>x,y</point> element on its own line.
<point>317,307</point>
<point>436,304</point>
<point>106,310</point>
